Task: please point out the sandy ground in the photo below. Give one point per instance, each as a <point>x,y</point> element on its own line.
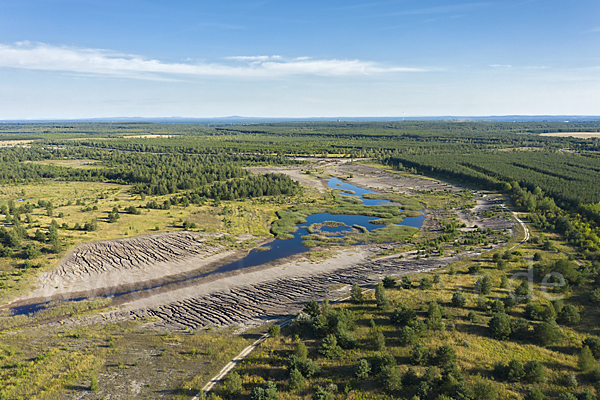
<point>580,135</point>
<point>296,174</point>
<point>250,294</point>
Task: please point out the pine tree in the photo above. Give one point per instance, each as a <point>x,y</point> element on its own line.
<point>381,298</point>
<point>356,295</point>
<point>586,360</point>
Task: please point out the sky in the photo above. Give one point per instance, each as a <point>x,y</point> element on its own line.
<point>70,59</point>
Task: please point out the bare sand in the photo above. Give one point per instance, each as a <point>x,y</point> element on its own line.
<point>580,135</point>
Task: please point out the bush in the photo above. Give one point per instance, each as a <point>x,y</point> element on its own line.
<point>569,315</point>
<point>233,384</point>
<point>274,330</point>
<point>484,285</point>
<point>419,354</point>
<point>403,315</point>
<point>356,295</point>
<point>594,296</point>
<point>322,394</point>
<point>362,369</point>
<point>267,392</point>
<point>586,360</point>
<point>520,329</point>
<point>594,344</point>
<point>485,390</point>
<point>445,355</point>
<point>500,326</point>
<point>330,348</point>
<point>389,282</point>
<point>378,340</point>
<point>534,311</point>
<point>473,317</point>
<point>458,300</point>
<point>425,283</point>
<point>390,378</point>
<point>382,360</point>
<point>406,282</point>
<point>534,372</point>
<point>94,384</point>
<point>514,371</point>
<point>497,306</point>
<point>475,269</point>
<point>566,396</point>
<point>434,316</point>
<point>547,333</point>
<point>312,309</point>
<point>296,380</point>
<point>383,302</point>
<point>535,394</point>
<point>410,377</point>
<point>407,336</point>
<point>301,351</point>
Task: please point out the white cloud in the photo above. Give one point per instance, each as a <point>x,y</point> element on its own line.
<point>40,56</point>
<point>501,66</point>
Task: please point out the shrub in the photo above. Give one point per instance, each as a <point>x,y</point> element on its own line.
<point>500,326</point>
<point>425,283</point>
<point>362,369</point>
<point>389,282</point>
<point>322,394</point>
<point>535,394</point>
<point>383,302</point>
<point>407,336</point>
<point>378,340</point>
<point>569,315</point>
<point>594,344</point>
<point>434,316</point>
<point>406,282</point>
<point>233,384</point>
<point>514,371</point>
<point>445,355</point>
<point>497,306</point>
<point>458,299</point>
<point>419,354</point>
<point>534,372</point>
<point>585,361</point>
<point>330,348</point>
<point>267,392</point>
<point>403,315</point>
<point>475,269</point>
<point>312,309</point>
<point>410,377</point>
<point>547,333</point>
<point>484,285</point>
<point>520,329</point>
<point>94,384</point>
<point>382,360</point>
<point>473,317</point>
<point>296,380</point>
<point>274,330</point>
<point>534,311</point>
<point>594,296</point>
<point>485,390</point>
<point>356,295</point>
<point>390,378</point>
<point>301,351</point>
<point>566,396</point>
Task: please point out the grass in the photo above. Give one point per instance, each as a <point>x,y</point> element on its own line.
<point>127,359</point>
<point>476,351</point>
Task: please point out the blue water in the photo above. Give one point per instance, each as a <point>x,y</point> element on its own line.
<point>336,183</point>
<point>279,248</point>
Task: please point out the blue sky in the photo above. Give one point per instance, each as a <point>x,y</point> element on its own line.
<point>105,58</point>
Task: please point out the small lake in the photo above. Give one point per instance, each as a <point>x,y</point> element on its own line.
<point>282,248</point>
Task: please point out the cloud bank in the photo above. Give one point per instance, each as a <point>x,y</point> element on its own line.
<point>40,56</point>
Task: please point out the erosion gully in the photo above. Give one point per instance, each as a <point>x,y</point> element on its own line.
<point>276,249</point>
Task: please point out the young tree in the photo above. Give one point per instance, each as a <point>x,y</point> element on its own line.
<point>362,369</point>
<point>434,316</point>
<point>356,295</point>
<point>296,380</point>
<point>312,308</point>
<point>378,340</point>
<point>569,315</point>
<point>445,355</point>
<point>458,299</point>
<point>330,348</point>
<point>534,372</point>
<point>419,354</point>
<point>274,330</point>
<point>383,302</point>
<point>232,385</point>
<point>301,351</point>
<point>390,378</point>
<point>389,282</point>
<point>547,333</point>
<point>484,285</point>
<point>500,326</point>
<point>586,360</point>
